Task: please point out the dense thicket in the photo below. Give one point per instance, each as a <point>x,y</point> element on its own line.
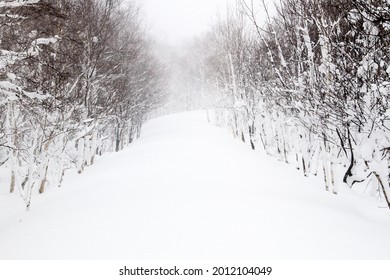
<point>77,79</point>
<point>311,86</point>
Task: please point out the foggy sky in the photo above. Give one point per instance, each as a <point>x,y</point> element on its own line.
<point>176,20</point>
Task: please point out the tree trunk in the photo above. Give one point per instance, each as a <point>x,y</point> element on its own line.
<point>12,185</point>
<point>325,167</point>
<point>383,188</point>
<point>43,181</point>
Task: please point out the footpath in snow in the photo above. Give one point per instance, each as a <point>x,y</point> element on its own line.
<point>188,190</point>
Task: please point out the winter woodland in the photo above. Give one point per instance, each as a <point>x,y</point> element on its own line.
<point>78,79</point>
<point>308,83</point>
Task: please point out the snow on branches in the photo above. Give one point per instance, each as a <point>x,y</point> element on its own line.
<point>310,86</point>
<point>77,79</point>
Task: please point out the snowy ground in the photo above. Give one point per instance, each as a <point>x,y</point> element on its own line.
<point>188,190</point>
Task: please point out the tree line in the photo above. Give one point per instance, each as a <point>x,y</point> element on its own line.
<point>309,84</point>
<point>77,79</point>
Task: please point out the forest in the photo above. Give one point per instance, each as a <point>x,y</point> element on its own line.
<point>77,79</point>
<point>308,83</point>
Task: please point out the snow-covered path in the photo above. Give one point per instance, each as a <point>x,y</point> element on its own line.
<point>188,190</point>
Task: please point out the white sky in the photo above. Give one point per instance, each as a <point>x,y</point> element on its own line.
<point>176,20</point>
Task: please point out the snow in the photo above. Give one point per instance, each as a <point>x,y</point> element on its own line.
<point>9,89</point>
<point>46,41</point>
<point>11,76</point>
<point>188,190</point>
<point>37,95</point>
<point>6,85</point>
<point>17,3</point>
<point>8,58</point>
<point>354,16</point>
<point>89,120</point>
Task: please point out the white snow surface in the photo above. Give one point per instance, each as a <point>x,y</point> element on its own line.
<point>188,190</point>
